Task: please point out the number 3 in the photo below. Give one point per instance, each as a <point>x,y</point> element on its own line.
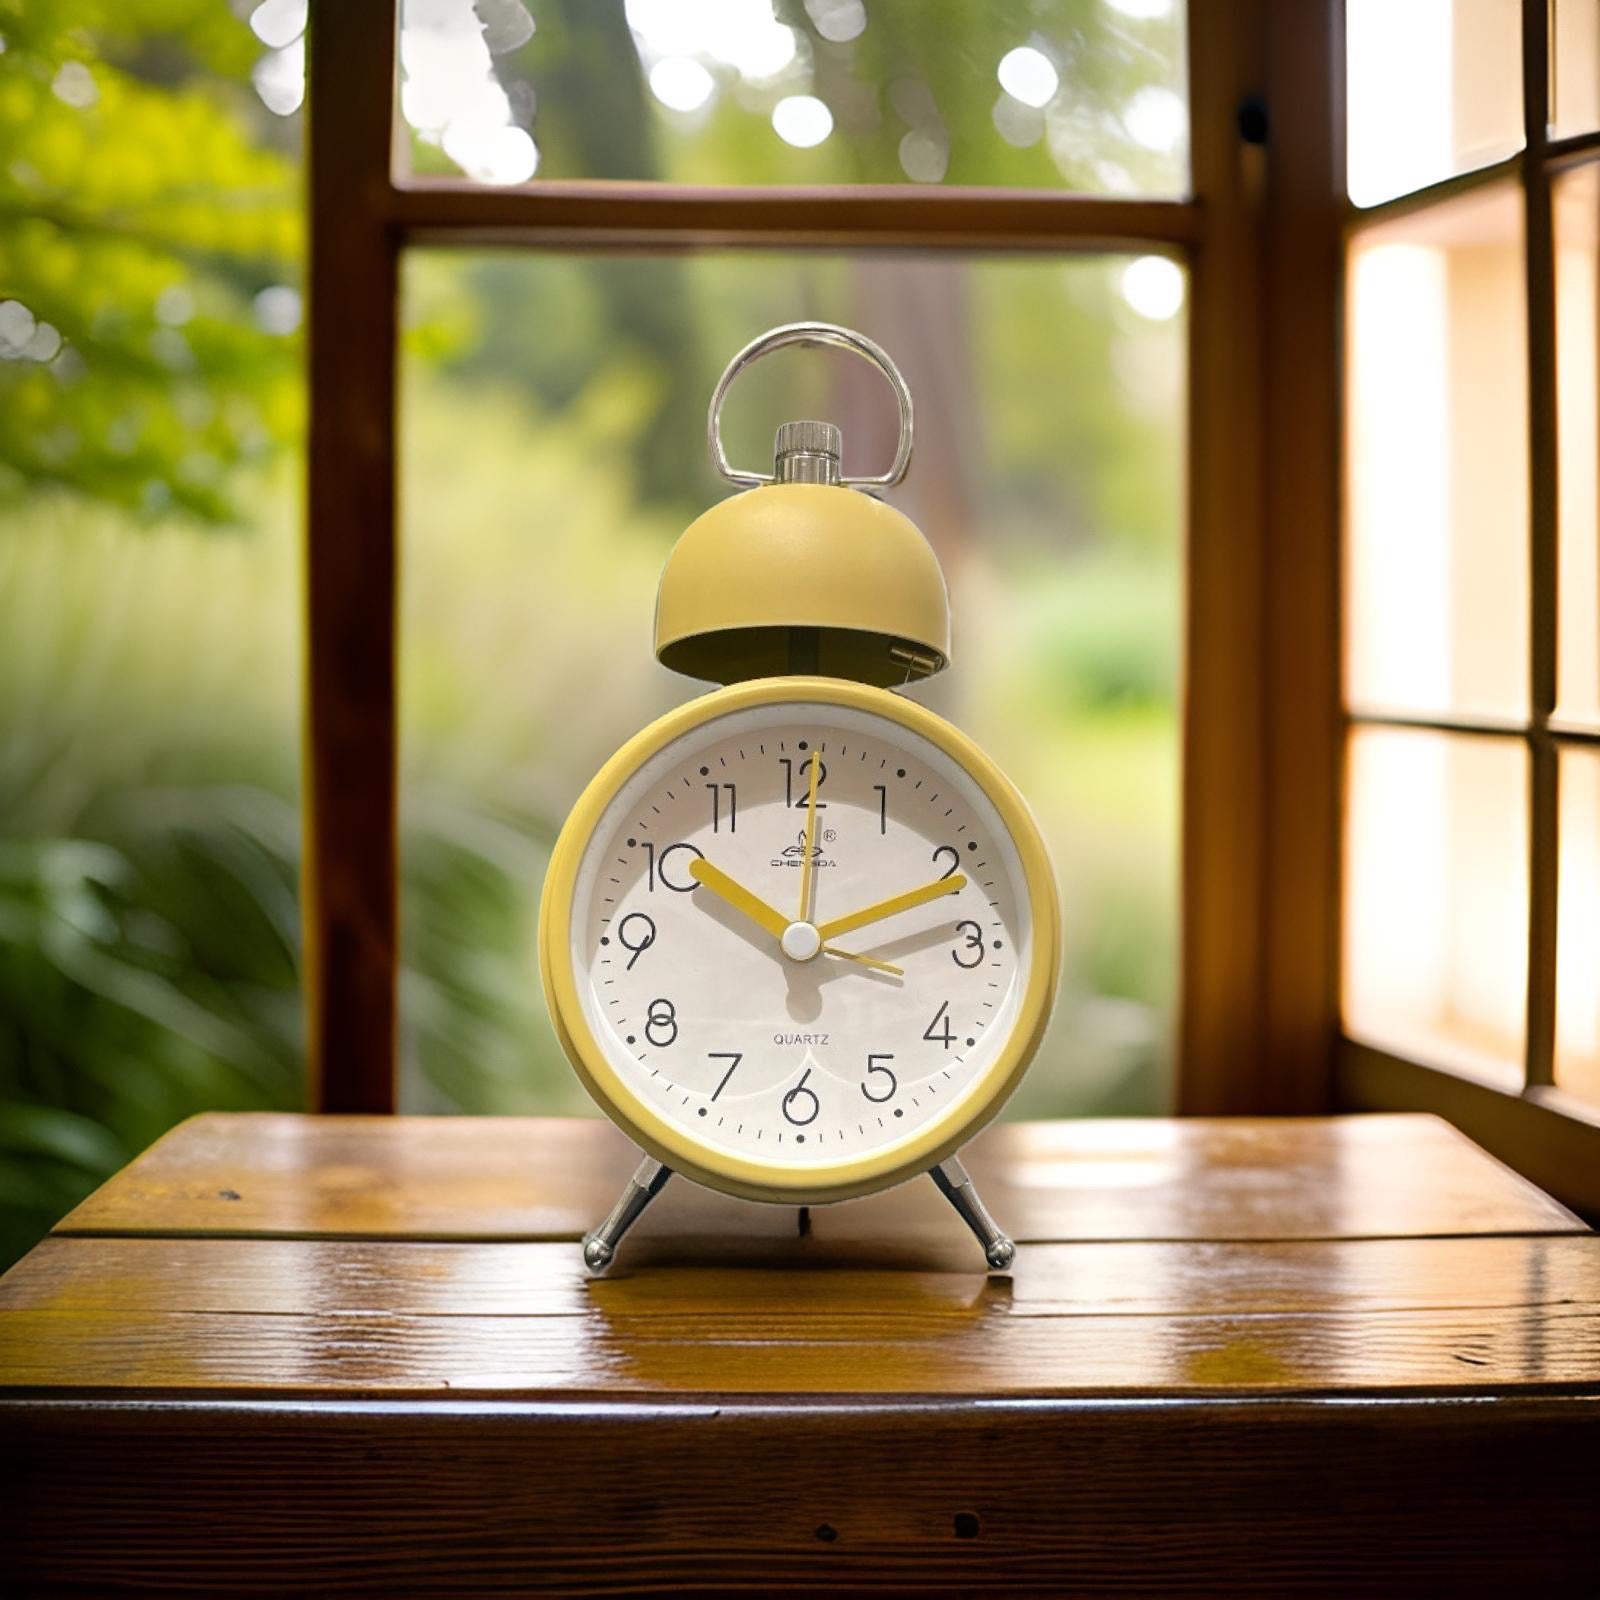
<point>972,942</point>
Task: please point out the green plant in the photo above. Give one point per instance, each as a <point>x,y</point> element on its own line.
<point>144,208</point>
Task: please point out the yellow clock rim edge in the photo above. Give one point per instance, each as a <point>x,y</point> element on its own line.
<point>738,1175</point>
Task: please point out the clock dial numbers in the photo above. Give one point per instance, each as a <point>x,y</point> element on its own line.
<point>636,933</point>
<point>797,782</point>
<point>968,952</point>
<point>801,1105</point>
<point>661,1023</point>
<point>724,803</point>
<point>713,901</point>
<point>657,875</point>
<point>733,1058</point>
<point>880,1083</point>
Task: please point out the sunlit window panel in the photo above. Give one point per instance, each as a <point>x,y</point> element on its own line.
<point>1576,199</point>
<point>553,447</point>
<point>1574,67</point>
<point>1016,93</point>
<point>1433,88</point>
<point>1436,896</point>
<point>1577,1054</point>
<point>1436,550</point>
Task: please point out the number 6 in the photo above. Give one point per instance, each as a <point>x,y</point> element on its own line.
<point>794,1095</point>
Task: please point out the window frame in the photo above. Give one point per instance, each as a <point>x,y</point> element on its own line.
<point>1541,1130</point>
<point>1260,727</point>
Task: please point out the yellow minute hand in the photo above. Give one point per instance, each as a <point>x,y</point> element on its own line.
<point>811,842</point>
<point>891,907</point>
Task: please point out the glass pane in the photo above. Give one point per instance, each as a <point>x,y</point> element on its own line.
<point>1578,927</point>
<point>1436,896</point>
<point>1575,67</point>
<point>1436,557</point>
<point>554,417</point>
<point>150,400</point>
<point>1433,88</point>
<point>1576,198</point>
<point>1081,94</point>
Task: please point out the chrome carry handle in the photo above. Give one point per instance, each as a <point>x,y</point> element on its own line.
<point>810,333</point>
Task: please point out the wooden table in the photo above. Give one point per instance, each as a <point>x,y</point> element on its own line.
<point>284,1355</point>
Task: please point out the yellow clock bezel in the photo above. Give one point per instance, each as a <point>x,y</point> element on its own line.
<point>855,1175</point>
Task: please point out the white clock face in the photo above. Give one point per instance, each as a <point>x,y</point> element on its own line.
<point>716,993</point>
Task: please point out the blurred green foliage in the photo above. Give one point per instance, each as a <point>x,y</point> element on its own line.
<point>141,212</point>
<point>150,244</point>
<point>148,839</point>
<point>148,833</point>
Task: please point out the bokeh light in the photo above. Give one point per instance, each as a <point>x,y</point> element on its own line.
<point>802,120</point>
<point>277,23</point>
<point>838,21</point>
<point>681,84</point>
<point>277,309</point>
<point>280,79</point>
<point>1029,75</point>
<point>1156,118</point>
<point>1153,286</point>
<point>924,156</point>
<point>451,95</point>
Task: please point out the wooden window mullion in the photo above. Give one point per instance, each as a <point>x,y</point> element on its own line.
<point>349,856</point>
<point>1543,799</point>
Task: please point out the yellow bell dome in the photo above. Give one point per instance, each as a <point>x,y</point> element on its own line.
<point>804,573</point>
<point>803,577</point>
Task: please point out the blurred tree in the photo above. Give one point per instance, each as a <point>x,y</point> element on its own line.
<point>149,236</point>
<point>913,98</point>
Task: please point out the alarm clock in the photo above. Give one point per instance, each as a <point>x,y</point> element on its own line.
<point>800,937</point>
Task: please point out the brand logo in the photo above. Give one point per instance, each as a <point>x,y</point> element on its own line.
<point>794,855</point>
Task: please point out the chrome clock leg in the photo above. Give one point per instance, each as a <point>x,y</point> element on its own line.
<point>600,1246</point>
<point>956,1187</point>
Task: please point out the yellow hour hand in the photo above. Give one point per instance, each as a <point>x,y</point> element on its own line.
<point>893,906</point>
<point>737,896</point>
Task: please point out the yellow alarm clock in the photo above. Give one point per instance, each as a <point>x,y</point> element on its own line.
<point>800,937</point>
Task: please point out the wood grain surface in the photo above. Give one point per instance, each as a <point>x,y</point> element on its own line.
<point>1384,1499</point>
<point>305,1318</point>
<point>540,1178</point>
<point>289,1355</point>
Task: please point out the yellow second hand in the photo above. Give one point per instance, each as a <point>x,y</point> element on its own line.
<point>864,961</point>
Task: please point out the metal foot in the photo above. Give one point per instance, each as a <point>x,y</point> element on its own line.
<point>956,1187</point>
<point>600,1247</point>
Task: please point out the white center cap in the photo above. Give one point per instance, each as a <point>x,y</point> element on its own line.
<point>801,941</point>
